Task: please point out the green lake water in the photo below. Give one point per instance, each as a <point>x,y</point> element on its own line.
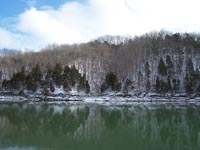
<point>139,126</point>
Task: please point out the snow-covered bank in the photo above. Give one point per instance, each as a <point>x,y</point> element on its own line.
<point>99,99</point>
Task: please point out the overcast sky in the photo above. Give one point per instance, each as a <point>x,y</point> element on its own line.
<point>34,24</point>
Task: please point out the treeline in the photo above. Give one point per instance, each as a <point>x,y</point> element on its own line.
<point>67,77</point>
<point>122,58</point>
<point>166,80</point>
<point>159,62</point>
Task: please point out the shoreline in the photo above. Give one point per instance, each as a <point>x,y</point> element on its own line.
<point>98,99</point>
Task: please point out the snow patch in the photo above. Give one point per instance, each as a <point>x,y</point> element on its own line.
<point>59,90</point>
<point>73,92</point>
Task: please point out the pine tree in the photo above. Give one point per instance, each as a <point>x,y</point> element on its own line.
<point>82,83</point>
<point>74,75</point>
<point>147,70</point>
<point>6,84</point>
<point>189,83</point>
<point>52,88</point>
<point>169,87</point>
<point>17,80</point>
<point>169,63</point>
<point>176,84</point>
<point>148,85</point>
<point>147,75</point>
<point>158,86</point>
<point>87,87</point>
<point>111,82</point>
<point>48,75</point>
<point>31,84</point>
<point>128,85</point>
<point>104,87</point>
<point>66,85</point>
<point>36,73</point>
<point>118,87</point>
<point>162,70</point>
<point>176,37</point>
<point>57,74</point>
<point>66,73</point>
<point>190,67</point>
<point>191,78</point>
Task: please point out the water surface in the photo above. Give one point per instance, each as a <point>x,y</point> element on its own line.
<point>137,126</point>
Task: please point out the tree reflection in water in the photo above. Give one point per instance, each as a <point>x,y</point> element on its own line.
<point>53,126</point>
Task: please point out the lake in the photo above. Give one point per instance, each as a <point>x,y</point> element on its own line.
<point>81,126</point>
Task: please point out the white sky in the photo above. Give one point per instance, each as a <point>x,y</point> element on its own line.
<point>75,22</point>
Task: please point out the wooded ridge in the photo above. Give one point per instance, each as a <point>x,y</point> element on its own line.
<point>158,62</point>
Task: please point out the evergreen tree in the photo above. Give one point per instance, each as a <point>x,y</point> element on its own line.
<point>162,70</point>
<point>74,75</point>
<point>176,84</point>
<point>6,84</point>
<point>191,78</point>
<point>176,37</point>
<point>66,85</point>
<point>66,78</point>
<point>128,85</point>
<point>36,73</point>
<point>87,87</point>
<point>147,70</point>
<point>45,84</point>
<point>169,87</point>
<point>148,85</point>
<point>189,83</point>
<point>82,83</point>
<point>111,82</point>
<point>190,67</point>
<point>162,86</point>
<point>147,74</point>
<point>57,74</point>
<point>30,83</point>
<point>52,88</point>
<point>140,78</point>
<point>48,75</point>
<point>33,78</point>
<point>17,80</point>
<point>22,73</point>
<point>104,87</point>
<point>14,81</point>
<point>67,72</point>
<point>118,87</point>
<point>158,84</point>
<point>169,63</point>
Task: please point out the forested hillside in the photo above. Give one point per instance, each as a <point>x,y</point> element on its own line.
<point>155,62</point>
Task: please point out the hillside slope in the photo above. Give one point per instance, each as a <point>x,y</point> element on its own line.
<point>155,62</point>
